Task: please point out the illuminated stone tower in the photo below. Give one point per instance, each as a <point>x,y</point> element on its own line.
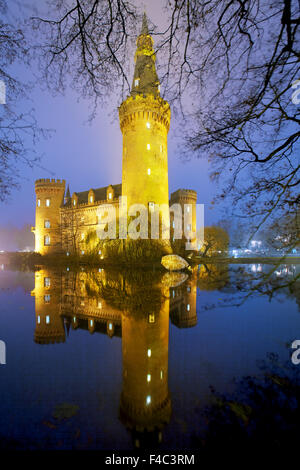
<point>49,198</point>
<point>145,405</point>
<point>49,323</point>
<point>145,121</point>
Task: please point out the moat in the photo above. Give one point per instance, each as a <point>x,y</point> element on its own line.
<point>100,359</point>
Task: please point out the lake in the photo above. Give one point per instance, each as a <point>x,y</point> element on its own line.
<point>100,359</point>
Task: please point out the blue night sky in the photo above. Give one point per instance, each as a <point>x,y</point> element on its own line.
<point>90,155</point>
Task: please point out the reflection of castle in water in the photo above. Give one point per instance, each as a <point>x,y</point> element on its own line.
<point>138,311</point>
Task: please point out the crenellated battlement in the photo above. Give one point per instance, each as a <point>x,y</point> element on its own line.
<point>184,194</point>
<point>146,107</point>
<point>50,182</point>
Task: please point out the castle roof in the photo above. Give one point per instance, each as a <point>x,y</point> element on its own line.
<point>145,79</point>
<point>100,194</point>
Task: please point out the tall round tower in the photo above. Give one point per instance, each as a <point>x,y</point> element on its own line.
<point>49,198</point>
<point>145,121</point>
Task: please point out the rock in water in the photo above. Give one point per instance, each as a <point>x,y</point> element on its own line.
<point>174,262</point>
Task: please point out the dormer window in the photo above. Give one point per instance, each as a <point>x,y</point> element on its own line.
<point>74,202</point>
<point>109,195</point>
<point>91,199</point>
<point>136,82</point>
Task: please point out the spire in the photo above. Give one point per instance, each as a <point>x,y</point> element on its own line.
<point>67,197</point>
<point>145,79</point>
<point>145,29</point>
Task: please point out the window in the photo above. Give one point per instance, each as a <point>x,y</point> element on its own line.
<point>47,202</point>
<point>149,171</point>
<point>151,318</point>
<point>148,400</point>
<point>47,298</point>
<point>47,282</point>
<point>82,303</point>
<point>148,146</point>
<point>109,195</point>
<point>161,148</point>
<point>151,206</point>
<point>136,82</point>
<point>38,202</point>
<point>110,326</point>
<point>148,377</point>
<point>99,305</point>
<point>188,208</point>
<point>161,374</point>
<point>39,319</point>
<point>74,319</point>
<point>148,125</point>
<point>188,289</point>
<point>173,224</point>
<point>188,307</point>
<point>149,353</point>
<point>91,323</point>
<point>82,252</point>
<point>74,202</point>
<point>47,240</point>
<point>47,224</point>
<point>189,227</point>
<point>82,236</point>
<point>91,199</point>
<point>47,319</point>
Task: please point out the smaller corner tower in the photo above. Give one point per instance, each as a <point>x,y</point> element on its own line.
<point>49,199</point>
<point>144,122</point>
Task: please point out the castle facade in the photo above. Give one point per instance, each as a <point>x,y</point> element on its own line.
<point>63,222</point>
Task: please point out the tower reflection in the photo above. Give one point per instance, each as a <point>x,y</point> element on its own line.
<point>136,307</point>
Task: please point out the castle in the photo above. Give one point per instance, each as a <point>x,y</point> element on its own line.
<point>62,221</point>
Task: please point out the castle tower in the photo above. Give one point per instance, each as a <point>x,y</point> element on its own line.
<point>187,199</point>
<point>49,198</point>
<point>47,292</point>
<point>145,405</point>
<point>145,121</point>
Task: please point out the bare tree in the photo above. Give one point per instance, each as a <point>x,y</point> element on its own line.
<point>18,129</point>
<point>228,65</point>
